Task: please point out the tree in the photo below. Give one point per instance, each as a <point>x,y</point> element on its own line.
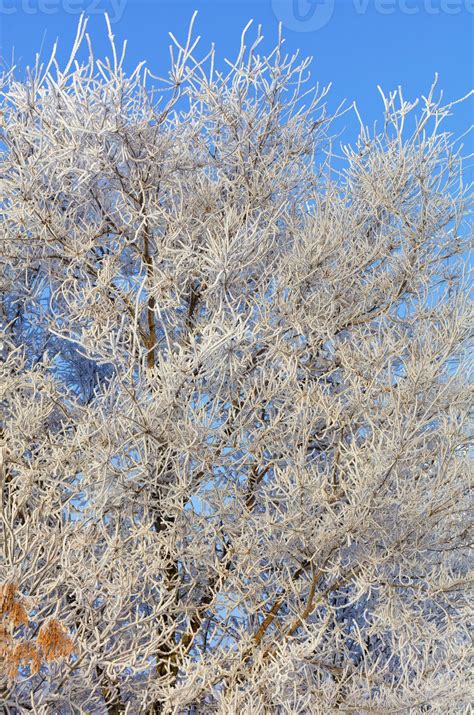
<point>235,394</point>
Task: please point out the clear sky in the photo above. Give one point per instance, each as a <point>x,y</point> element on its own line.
<point>356,44</point>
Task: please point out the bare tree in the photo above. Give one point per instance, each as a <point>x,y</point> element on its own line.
<point>234,394</point>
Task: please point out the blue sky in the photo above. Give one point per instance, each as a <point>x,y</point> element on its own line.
<point>356,44</point>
